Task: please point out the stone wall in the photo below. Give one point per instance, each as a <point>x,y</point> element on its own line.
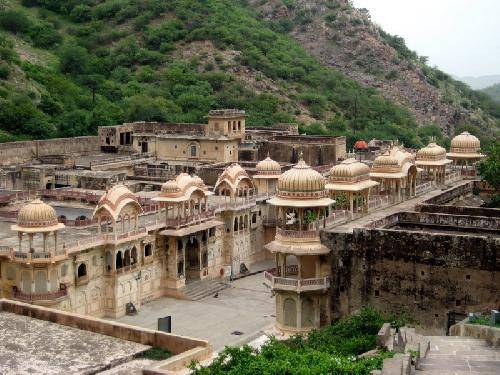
<point>21,152</point>
<point>425,274</point>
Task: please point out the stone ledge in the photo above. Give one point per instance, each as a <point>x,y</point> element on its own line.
<point>490,334</point>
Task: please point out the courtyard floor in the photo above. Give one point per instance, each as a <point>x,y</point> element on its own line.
<point>239,314</point>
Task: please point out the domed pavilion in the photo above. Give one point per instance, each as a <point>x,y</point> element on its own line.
<point>302,274</point>
<point>465,150</point>
<point>37,217</point>
<point>432,159</point>
<point>266,178</point>
<point>350,181</point>
<point>396,173</point>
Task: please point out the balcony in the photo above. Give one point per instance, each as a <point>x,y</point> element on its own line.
<point>39,297</point>
<point>294,284</point>
<point>297,234</point>
<point>38,257</point>
<point>192,219</point>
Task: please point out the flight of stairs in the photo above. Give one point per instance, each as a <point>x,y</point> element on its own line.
<point>459,355</point>
<point>197,290</point>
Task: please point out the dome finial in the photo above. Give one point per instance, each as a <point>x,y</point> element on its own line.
<point>268,154</point>
<point>301,156</point>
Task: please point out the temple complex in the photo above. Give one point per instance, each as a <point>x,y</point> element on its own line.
<point>146,210</point>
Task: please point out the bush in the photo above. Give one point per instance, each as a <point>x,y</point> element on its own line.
<point>4,70</point>
<point>15,21</point>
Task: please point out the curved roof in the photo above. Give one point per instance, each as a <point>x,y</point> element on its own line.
<point>393,163</point>
<point>181,188</point>
<point>37,216</point>
<point>115,200</point>
<point>432,154</point>
<point>268,168</point>
<point>232,176</point>
<point>350,175</point>
<point>465,145</point>
<point>360,145</point>
<point>301,186</point>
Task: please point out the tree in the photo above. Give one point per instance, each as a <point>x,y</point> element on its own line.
<point>489,168</point>
<point>74,60</point>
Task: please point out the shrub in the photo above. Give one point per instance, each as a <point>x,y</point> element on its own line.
<point>15,21</point>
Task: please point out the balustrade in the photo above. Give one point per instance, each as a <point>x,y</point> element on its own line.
<point>294,284</point>
<point>31,297</point>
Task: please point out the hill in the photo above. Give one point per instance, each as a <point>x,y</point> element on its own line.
<point>69,66</point>
<point>493,91</point>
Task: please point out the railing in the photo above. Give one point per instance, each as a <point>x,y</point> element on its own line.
<point>31,297</point>
<point>452,177</point>
<point>425,187</point>
<point>378,201</point>
<point>297,233</point>
<point>240,203</point>
<point>295,284</point>
<point>178,222</point>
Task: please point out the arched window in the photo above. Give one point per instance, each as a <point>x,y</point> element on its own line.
<point>193,150</point>
<point>82,270</point>
<point>148,251</point>
<point>126,258</point>
<point>119,260</point>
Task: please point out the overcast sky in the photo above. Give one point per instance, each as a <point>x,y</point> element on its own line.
<point>461,37</point>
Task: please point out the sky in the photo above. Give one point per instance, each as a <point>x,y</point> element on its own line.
<point>461,37</point>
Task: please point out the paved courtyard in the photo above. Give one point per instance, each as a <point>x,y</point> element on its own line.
<point>246,307</point>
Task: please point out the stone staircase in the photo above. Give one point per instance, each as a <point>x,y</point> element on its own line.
<point>197,290</point>
<point>459,355</point>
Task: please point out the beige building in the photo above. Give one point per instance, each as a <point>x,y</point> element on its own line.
<point>465,150</point>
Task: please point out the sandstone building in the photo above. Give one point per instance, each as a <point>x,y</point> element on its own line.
<point>144,210</point>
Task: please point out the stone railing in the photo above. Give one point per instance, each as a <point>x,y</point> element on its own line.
<point>240,203</point>
<point>424,188</point>
<point>34,257</point>
<point>295,284</point>
<point>306,234</point>
<point>32,297</point>
<point>378,201</point>
<point>452,177</point>
<point>192,219</point>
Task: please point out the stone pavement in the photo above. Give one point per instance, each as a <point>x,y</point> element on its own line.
<point>458,355</point>
<point>239,314</point>
<point>33,346</point>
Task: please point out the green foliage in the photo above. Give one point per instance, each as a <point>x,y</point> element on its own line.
<point>330,350</point>
<point>157,354</point>
<point>489,168</point>
<point>493,92</point>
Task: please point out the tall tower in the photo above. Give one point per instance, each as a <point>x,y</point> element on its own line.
<point>301,278</point>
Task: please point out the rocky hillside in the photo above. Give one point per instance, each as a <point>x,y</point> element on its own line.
<point>70,66</point>
<point>344,38</point>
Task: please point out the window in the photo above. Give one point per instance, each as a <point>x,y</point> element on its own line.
<point>377,293</point>
<point>193,150</point>
<point>216,148</point>
<point>467,277</point>
<point>82,270</point>
<point>148,251</point>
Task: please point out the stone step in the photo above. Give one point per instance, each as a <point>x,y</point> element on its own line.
<point>197,290</point>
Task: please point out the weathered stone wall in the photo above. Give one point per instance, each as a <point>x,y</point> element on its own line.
<point>314,154</point>
<point>20,152</point>
<point>425,274</point>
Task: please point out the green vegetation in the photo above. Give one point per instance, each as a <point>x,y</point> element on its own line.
<point>488,169</point>
<point>493,91</point>
<point>68,67</point>
<point>116,60</point>
<point>157,354</point>
<point>330,350</point>
<point>483,320</point>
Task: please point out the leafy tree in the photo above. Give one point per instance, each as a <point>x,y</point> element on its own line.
<point>74,60</point>
<point>489,168</point>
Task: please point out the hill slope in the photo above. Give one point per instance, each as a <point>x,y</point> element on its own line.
<point>493,91</point>
<point>69,66</point>
<point>344,38</point>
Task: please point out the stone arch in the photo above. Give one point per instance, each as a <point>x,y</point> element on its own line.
<point>148,251</point>
<point>81,270</point>
<point>290,312</point>
<point>41,282</point>
<point>119,260</point>
<point>126,258</point>
<point>307,317</point>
